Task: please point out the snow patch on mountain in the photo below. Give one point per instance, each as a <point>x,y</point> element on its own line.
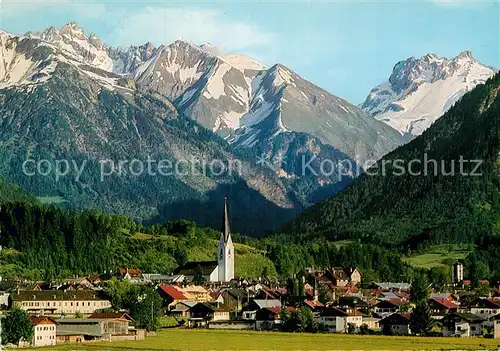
<point>240,62</point>
<point>215,87</point>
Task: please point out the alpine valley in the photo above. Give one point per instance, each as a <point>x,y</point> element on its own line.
<point>67,96</point>
<point>443,187</point>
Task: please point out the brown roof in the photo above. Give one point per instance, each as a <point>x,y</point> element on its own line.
<point>444,302</point>
<point>134,273</point>
<point>42,320</point>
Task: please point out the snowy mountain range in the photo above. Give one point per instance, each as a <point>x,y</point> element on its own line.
<point>230,94</point>
<point>419,91</point>
<point>64,92</point>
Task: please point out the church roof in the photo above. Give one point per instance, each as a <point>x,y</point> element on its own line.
<point>207,267</point>
<point>225,222</point>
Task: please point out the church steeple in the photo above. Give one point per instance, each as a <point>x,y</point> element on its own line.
<point>225,222</point>
<point>225,256</point>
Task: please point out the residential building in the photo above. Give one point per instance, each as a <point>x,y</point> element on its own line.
<point>204,312</point>
<point>393,286</point>
<point>162,278</point>
<point>4,300</point>
<point>112,315</point>
<point>371,322</point>
<point>314,305</point>
<point>209,270</point>
<point>132,275</point>
<point>496,326</point>
<point>389,306</point>
<point>56,302</point>
<point>353,301</point>
<point>235,298</point>
<point>44,331</point>
<point>451,297</point>
<point>462,324</point>
<point>440,306</point>
<point>268,318</point>
<point>250,311</point>
<point>485,307</point>
<point>336,276</point>
<point>396,324</point>
<point>196,293</point>
<point>272,294</point>
<point>339,320</point>
<point>110,327</point>
<point>80,283</point>
<point>217,297</point>
<point>171,295</point>
<point>182,309</point>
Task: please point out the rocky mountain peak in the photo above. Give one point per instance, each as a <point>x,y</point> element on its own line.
<point>421,90</point>
<point>465,55</point>
<point>50,34</point>
<point>72,31</point>
<point>211,49</point>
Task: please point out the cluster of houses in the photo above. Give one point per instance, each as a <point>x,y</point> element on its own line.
<point>344,308</point>
<point>49,331</point>
<point>77,310</point>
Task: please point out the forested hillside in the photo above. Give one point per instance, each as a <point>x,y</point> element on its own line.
<point>439,205</point>
<point>41,242</point>
<point>47,242</point>
<point>11,192</point>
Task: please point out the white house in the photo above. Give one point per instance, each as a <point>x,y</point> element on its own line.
<point>44,331</point>
<point>496,329</point>
<point>486,308</point>
<point>4,300</point>
<point>462,324</point>
<point>338,320</point>
<point>55,302</point>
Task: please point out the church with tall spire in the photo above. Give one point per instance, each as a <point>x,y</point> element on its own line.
<point>220,270</point>
<point>225,257</point>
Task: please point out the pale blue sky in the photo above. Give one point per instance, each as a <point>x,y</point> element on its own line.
<point>346,48</point>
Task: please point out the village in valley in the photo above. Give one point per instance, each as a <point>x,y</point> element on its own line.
<point>207,295</point>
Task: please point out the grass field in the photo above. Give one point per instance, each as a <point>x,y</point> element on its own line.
<point>199,340</point>
<point>438,256</point>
